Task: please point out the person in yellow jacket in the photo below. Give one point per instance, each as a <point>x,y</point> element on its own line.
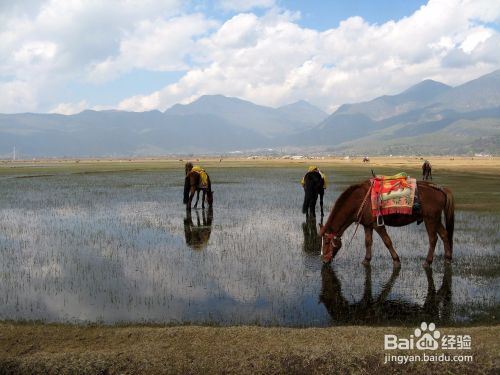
<point>314,183</point>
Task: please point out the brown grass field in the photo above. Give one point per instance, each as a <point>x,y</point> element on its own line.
<point>32,348</point>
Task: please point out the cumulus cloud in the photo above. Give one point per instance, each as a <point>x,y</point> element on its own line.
<point>266,58</point>
<point>70,108</point>
<point>271,60</point>
<point>156,45</point>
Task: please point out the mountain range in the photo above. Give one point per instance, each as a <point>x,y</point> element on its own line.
<point>429,117</point>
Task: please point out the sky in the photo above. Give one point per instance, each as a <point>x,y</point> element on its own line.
<point>65,56</point>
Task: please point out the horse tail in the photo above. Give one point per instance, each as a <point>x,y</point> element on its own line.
<point>187,187</point>
<point>449,213</point>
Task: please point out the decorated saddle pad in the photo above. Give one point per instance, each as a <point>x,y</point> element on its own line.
<point>393,194</point>
<point>203,175</point>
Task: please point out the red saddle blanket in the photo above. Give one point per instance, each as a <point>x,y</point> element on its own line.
<point>393,194</point>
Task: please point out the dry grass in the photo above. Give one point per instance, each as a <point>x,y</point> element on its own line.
<point>61,349</point>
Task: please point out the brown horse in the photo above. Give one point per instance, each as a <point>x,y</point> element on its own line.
<point>349,208</point>
<point>193,184</point>
<point>426,170</point>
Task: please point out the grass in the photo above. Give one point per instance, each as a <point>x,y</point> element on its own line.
<point>62,349</point>
<point>31,348</point>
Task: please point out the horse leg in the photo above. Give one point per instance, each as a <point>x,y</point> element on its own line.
<point>197,198</point>
<point>368,245</point>
<point>388,243</point>
<point>444,237</point>
<point>322,192</point>
<point>203,199</point>
<point>313,204</point>
<point>191,195</point>
<point>432,233</point>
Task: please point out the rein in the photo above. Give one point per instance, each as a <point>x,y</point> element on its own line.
<point>359,214</point>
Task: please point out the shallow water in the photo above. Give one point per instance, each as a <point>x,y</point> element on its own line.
<point>120,247</point>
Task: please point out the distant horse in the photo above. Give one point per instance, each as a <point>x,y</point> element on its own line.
<point>426,170</point>
<point>197,235</point>
<point>366,159</point>
<point>433,200</point>
<point>314,185</point>
<point>194,183</point>
<point>437,306</point>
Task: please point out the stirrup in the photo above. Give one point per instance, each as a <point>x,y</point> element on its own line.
<point>380,221</point>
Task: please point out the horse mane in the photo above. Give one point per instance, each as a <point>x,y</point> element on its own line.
<point>342,198</point>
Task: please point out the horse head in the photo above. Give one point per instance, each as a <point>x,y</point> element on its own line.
<point>331,244</point>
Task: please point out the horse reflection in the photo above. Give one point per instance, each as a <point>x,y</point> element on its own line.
<point>312,239</point>
<point>197,235</point>
<point>370,310</point>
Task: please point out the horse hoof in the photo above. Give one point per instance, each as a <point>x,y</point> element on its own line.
<point>447,261</point>
<point>366,262</point>
<point>426,264</point>
<point>396,263</point>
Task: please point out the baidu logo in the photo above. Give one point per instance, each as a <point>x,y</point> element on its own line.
<point>427,337</point>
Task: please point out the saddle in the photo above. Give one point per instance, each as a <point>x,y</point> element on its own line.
<point>203,176</point>
<point>392,195</point>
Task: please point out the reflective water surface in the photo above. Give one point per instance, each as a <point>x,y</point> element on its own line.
<point>120,247</point>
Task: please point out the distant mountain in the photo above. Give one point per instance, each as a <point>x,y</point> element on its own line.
<point>429,117</point>
<point>264,120</point>
<point>304,113</point>
<point>418,96</point>
<point>112,133</point>
<point>480,93</point>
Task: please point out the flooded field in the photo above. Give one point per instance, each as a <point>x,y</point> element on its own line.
<point>121,248</point>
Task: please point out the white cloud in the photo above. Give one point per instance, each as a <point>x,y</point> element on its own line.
<point>269,59</point>
<point>70,108</point>
<point>16,96</point>
<point>156,45</point>
<point>244,5</point>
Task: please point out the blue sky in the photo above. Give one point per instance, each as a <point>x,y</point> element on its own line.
<point>66,56</point>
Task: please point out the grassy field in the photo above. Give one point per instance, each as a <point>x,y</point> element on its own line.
<point>474,181</point>
<point>59,349</point>
<point>27,348</point>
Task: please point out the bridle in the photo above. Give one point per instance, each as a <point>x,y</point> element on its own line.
<point>328,239</point>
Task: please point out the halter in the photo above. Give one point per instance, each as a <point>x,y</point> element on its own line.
<point>329,237</point>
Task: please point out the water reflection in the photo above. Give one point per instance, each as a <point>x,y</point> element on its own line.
<point>197,235</point>
<point>312,240</point>
<point>380,309</point>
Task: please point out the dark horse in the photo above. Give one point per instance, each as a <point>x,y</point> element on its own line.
<point>197,235</point>
<point>426,170</point>
<point>192,184</point>
<point>314,185</point>
<point>433,200</point>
